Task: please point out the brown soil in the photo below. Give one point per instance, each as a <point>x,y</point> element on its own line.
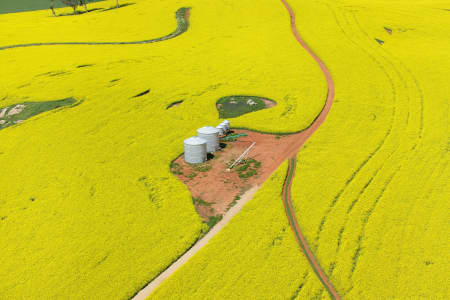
<point>269,103</point>
<point>218,186</point>
<point>290,213</point>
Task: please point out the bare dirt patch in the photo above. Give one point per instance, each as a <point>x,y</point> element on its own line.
<point>269,103</point>
<point>214,189</point>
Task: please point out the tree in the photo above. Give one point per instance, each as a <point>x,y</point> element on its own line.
<point>83,2</point>
<point>72,3</point>
<point>117,3</point>
<point>52,8</point>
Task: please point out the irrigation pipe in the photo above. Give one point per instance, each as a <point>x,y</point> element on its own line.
<point>241,156</point>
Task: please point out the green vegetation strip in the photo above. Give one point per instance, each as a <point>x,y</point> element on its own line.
<point>182,16</point>
<point>233,137</point>
<point>18,113</point>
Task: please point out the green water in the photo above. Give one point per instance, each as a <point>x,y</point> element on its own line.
<point>235,106</point>
<point>12,6</point>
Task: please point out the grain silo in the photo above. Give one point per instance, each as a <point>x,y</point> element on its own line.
<point>211,135</point>
<point>222,129</point>
<point>195,150</point>
<point>225,127</point>
<point>227,123</point>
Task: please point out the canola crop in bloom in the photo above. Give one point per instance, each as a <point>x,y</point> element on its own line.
<point>89,207</point>
<point>372,185</point>
<point>254,257</point>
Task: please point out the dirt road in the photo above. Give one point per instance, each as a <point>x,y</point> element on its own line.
<point>303,136</point>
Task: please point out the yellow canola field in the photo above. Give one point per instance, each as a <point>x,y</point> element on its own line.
<point>372,188</point>
<point>255,256</point>
<point>89,208</point>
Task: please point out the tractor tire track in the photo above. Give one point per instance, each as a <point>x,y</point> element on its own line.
<point>181,15</point>
<point>384,138</point>
<point>409,86</point>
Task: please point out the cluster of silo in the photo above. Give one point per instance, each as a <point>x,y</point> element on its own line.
<point>224,127</point>
<point>206,141</point>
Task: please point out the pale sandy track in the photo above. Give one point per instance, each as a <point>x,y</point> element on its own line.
<point>145,292</point>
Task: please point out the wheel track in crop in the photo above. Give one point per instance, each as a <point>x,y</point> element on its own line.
<point>409,90</point>
<point>181,15</point>
<point>350,180</point>
<point>398,66</point>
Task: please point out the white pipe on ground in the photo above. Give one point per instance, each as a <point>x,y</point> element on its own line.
<point>242,156</point>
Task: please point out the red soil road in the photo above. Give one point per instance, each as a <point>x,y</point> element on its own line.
<point>186,15</point>
<point>303,136</point>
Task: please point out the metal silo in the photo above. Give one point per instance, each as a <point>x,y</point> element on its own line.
<point>211,135</point>
<point>195,150</point>
<point>222,129</point>
<point>224,126</point>
<point>227,123</point>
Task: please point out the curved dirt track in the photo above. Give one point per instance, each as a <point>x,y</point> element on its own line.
<point>290,152</point>
<point>287,201</point>
<point>290,213</point>
<point>181,15</point>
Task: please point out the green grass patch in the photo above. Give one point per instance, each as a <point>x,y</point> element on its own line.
<point>202,168</point>
<point>248,168</point>
<point>235,200</point>
<point>192,175</point>
<point>200,201</point>
<point>235,106</point>
<point>176,168</point>
<point>213,220</point>
<point>20,112</point>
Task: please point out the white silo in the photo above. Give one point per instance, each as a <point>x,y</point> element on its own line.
<point>227,123</point>
<point>222,129</point>
<point>211,135</point>
<point>195,150</point>
<point>224,126</point>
